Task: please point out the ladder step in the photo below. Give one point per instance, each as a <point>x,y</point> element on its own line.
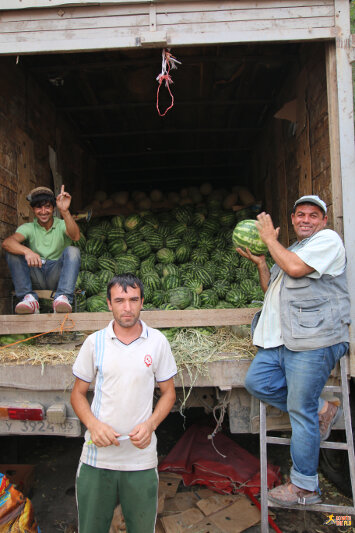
<point>322,507</point>
<point>332,388</point>
<point>324,444</point>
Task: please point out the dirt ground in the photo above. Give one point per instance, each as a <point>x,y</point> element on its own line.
<point>56,460</point>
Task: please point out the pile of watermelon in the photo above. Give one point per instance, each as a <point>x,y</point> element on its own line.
<point>185,257</point>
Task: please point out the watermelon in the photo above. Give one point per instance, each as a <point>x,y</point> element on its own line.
<point>159,297</point>
<point>170,269</point>
<point>89,262</point>
<point>194,285</point>
<point>171,241</point>
<point>155,240</point>
<point>183,213</point>
<point>151,280</point>
<point>237,298</point>
<point>81,243</point>
<point>170,282</point>
<point>115,233</point>
<point>141,249</point>
<point>221,286</point>
<point>198,218</point>
<point>117,221</point>
<point>117,247</point>
<point>92,284</point>
<point>105,277</point>
<point>105,263</point>
<point>182,253</point>
<point>168,307</point>
<point>95,247</point>
<point>165,255</point>
<point>133,237</point>
<point>180,297</point>
<point>209,297</point>
<point>96,232</point>
<point>96,304</point>
<point>199,256</point>
<point>132,222</point>
<point>246,235</point>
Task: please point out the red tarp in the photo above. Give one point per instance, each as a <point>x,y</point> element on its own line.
<point>199,463</point>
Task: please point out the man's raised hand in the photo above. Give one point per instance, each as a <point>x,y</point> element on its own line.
<point>63,200</point>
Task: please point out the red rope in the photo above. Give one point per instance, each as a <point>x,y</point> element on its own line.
<point>169,61</point>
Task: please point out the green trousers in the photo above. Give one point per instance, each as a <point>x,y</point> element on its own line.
<point>98,492</point>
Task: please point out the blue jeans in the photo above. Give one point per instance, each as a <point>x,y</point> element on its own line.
<point>293,382</point>
<point>59,276</point>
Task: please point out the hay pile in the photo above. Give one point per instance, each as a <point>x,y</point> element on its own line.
<point>193,348</point>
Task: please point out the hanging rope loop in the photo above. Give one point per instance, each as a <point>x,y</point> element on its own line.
<point>168,63</point>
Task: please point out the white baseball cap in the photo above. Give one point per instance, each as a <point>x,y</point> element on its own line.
<point>312,199</point>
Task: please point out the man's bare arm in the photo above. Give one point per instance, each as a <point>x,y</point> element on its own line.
<point>141,435</point>
<point>260,262</point>
<point>101,434</point>
<point>63,202</point>
<point>13,245</point>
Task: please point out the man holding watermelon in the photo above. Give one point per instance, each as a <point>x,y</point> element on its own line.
<point>301,333</point>
<point>39,254</point>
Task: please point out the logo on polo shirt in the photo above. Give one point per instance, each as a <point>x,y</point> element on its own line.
<point>148,360</point>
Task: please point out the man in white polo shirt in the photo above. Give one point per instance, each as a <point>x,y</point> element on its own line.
<point>301,333</point>
<point>119,457</point>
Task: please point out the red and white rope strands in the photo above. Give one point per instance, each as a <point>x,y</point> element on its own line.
<point>168,63</point>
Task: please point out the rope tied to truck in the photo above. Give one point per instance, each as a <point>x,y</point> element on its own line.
<point>168,63</point>
<point>61,328</point>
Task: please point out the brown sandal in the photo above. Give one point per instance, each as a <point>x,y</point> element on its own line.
<point>289,494</point>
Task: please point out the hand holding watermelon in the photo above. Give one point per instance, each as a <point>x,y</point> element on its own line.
<point>266,229</point>
<point>246,236</point>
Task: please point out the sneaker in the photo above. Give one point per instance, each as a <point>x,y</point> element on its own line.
<point>328,419</point>
<point>61,304</point>
<point>28,306</point>
<point>289,495</point>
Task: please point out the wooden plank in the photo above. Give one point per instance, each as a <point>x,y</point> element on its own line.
<point>334,145</point>
<point>87,28</point>
<point>155,319</point>
<point>15,11</point>
<point>323,15</point>
<point>223,374</point>
<point>26,183</point>
<point>347,150</point>
<point>114,39</point>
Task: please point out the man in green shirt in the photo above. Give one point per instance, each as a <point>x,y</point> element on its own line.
<point>39,254</point>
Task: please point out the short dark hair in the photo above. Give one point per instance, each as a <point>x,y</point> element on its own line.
<point>43,199</point>
<point>309,203</point>
<point>124,281</point>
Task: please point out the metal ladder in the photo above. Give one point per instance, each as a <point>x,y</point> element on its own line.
<point>348,445</point>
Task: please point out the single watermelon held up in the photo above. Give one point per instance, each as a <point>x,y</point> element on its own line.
<point>246,235</point>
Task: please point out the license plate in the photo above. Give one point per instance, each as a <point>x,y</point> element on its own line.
<point>70,428</point>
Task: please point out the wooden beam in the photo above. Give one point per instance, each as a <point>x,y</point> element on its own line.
<point>334,141</point>
<point>165,132</point>
<point>13,324</point>
<point>150,153</point>
<point>193,103</point>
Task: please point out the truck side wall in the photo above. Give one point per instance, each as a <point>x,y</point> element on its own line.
<point>292,158</point>
<point>29,125</point>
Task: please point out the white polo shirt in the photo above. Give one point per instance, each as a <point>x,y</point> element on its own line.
<point>125,380</point>
<point>324,251</point>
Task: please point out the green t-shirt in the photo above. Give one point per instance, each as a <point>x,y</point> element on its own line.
<point>48,244</point>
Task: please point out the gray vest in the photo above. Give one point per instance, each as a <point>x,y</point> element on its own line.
<point>315,313</point>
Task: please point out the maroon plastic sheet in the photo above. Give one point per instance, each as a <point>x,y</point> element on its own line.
<point>195,458</point>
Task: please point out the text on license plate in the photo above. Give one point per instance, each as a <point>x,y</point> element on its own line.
<point>70,428</point>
